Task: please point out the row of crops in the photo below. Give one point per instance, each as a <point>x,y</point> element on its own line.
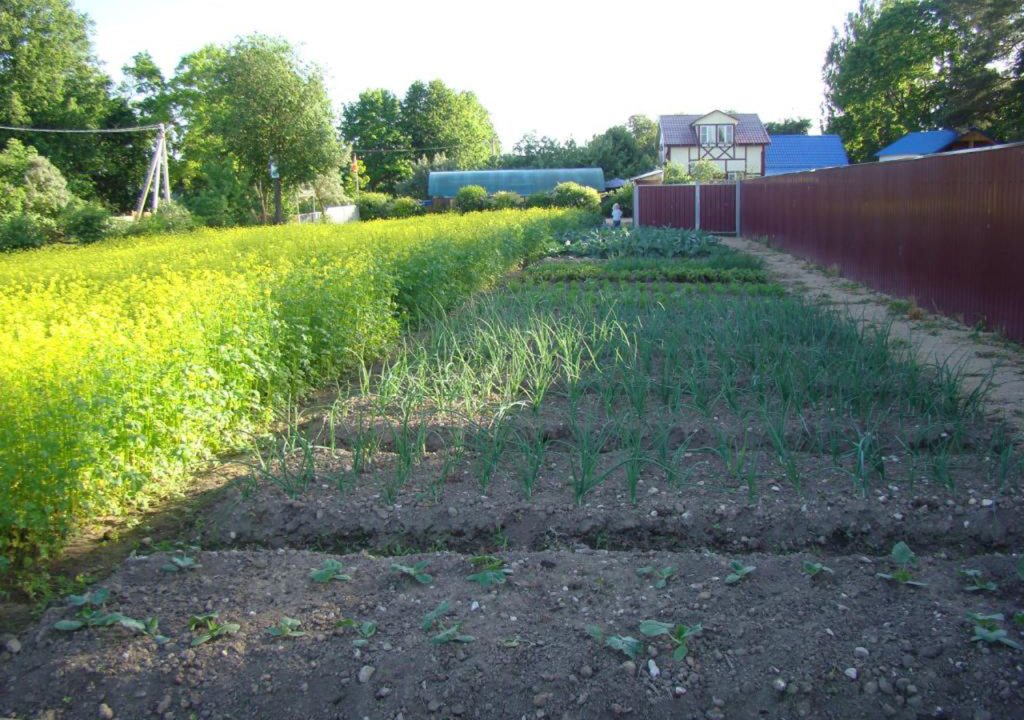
<point>122,366</point>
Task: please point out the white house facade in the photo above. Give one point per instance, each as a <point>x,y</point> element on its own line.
<point>735,143</point>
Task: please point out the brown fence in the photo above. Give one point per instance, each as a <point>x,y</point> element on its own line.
<point>947,230</point>
<point>680,206</point>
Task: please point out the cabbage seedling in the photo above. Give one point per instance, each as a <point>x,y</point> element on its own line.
<point>452,634</point>
<point>431,617</point>
<point>492,571</point>
<point>330,570</point>
<point>209,628</point>
<point>288,627</point>
<point>629,646</point>
<point>663,575</point>
<point>903,556</point>
<point>678,634</point>
<point>975,583</point>
<point>739,571</point>
<point>814,569</point>
<point>987,630</point>
<point>365,629</point>
<point>416,572</point>
<point>178,563</point>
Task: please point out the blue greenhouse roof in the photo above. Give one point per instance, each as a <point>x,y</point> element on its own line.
<point>524,182</point>
<point>920,143</point>
<point>796,153</point>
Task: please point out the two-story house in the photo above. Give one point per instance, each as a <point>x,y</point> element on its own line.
<point>735,143</point>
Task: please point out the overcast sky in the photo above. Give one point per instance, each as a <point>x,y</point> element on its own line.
<point>558,67</point>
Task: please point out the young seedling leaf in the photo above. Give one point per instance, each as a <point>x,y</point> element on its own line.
<point>739,571</point>
<point>489,578</point>
<point>431,617</point>
<point>68,625</point>
<point>995,637</point>
<point>630,646</point>
<point>329,570</point>
<point>595,631</point>
<point>416,572</point>
<point>814,569</point>
<point>975,582</point>
<point>452,634</point>
<point>178,563</point>
<point>288,627</point>
<point>653,628</point>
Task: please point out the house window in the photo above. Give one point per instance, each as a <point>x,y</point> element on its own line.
<point>707,134</point>
<point>725,134</point>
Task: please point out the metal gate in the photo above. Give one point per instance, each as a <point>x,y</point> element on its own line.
<point>714,208</point>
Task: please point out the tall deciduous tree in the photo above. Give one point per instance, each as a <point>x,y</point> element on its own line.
<point>438,119</point>
<point>50,79</point>
<point>373,125</point>
<point>907,65</point>
<point>263,104</point>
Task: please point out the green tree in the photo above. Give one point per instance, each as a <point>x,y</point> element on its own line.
<point>789,126</point>
<point>373,125</point>
<point>437,118</point>
<point>544,152</point>
<point>615,151</point>
<point>266,103</point>
<point>50,79</point>
<point>645,132</point>
<point>907,65</point>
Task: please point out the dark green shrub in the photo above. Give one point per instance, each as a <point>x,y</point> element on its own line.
<point>170,218</point>
<point>506,200</point>
<point>373,206</point>
<point>574,195</point>
<point>86,223</point>
<point>472,198</point>
<point>404,207</point>
<point>538,200</point>
<point>22,231</point>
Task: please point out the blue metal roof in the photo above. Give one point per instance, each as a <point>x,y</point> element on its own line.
<point>524,182</point>
<point>920,143</point>
<point>796,153</point>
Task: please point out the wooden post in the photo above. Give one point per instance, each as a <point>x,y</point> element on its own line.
<point>145,187</point>
<point>636,205</point>
<point>167,175</point>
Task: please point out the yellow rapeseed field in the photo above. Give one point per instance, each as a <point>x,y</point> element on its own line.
<point>123,364</point>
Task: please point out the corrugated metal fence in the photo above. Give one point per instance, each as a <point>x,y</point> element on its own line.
<point>947,230</point>
<point>680,206</point>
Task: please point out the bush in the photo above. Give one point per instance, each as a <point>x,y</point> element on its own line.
<point>404,207</point>
<point>373,206</point>
<point>472,198</point>
<point>573,195</point>
<point>705,171</point>
<point>623,196</point>
<point>506,200</point>
<point>123,364</point>
<point>538,200</point>
<point>23,231</point>
<point>169,218</point>
<point>675,174</point>
<point>86,223</point>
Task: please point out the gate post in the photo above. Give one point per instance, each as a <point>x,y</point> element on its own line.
<point>738,183</point>
<point>696,205</point>
<point>636,205</point>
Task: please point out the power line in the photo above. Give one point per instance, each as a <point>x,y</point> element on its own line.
<point>138,128</point>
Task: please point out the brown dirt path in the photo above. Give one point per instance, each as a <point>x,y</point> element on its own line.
<point>935,338</point>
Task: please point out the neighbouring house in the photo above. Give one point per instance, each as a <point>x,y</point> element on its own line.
<point>798,153</point>
<point>525,182</point>
<point>918,144</point>
<point>736,143</point>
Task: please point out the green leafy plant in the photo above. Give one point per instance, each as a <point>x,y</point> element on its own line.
<point>905,559</point>
<point>662,576</point>
<point>452,634</point>
<point>677,633</point>
<point>628,646</point>
<point>365,629</point>
<point>814,569</point>
<point>329,570</point>
<point>178,563</point>
<point>287,627</point>
<point>491,571</point>
<point>987,630</point>
<point>416,572</point>
<point>431,617</point>
<point>208,627</point>
<point>975,583</point>
<point>739,571</point>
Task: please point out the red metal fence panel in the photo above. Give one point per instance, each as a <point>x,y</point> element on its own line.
<point>666,206</point>
<point>947,230</point>
<point>718,208</point>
